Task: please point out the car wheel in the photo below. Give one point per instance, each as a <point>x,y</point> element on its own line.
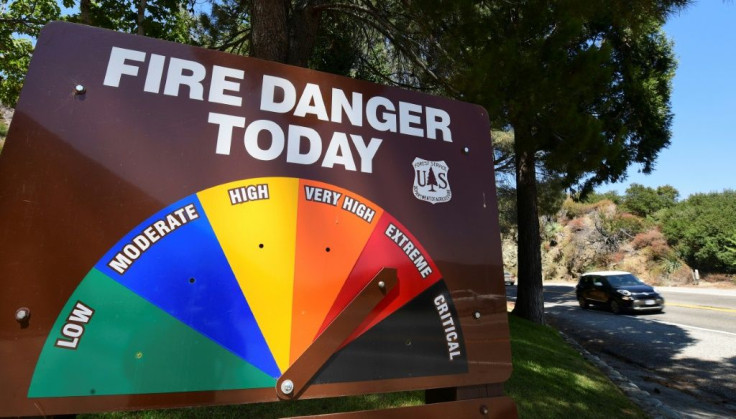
<point>583,303</point>
<point>615,307</point>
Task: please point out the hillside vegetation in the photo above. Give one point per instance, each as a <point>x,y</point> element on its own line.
<point>5,115</point>
<point>646,231</point>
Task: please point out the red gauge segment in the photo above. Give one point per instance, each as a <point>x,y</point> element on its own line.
<point>391,245</point>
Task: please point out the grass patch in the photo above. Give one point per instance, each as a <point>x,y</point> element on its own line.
<point>550,380</point>
<point>3,134</point>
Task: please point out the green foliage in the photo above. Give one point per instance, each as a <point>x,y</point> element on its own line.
<point>644,201</point>
<point>550,201</point>
<point>584,85</point>
<point>574,209</point>
<point>22,20</point>
<point>503,152</point>
<point>3,129</point>
<point>731,247</point>
<point>226,27</point>
<point>618,228</point>
<point>612,196</point>
<point>627,225</point>
<point>163,19</point>
<point>550,195</point>
<point>506,197</point>
<point>703,229</point>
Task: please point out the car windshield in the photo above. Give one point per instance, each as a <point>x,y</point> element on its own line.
<point>623,280</point>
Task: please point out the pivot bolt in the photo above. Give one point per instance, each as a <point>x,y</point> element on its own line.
<point>80,89</point>
<point>287,386</point>
<point>381,284</point>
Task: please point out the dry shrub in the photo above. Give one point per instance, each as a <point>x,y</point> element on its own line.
<point>616,257</point>
<point>719,278</point>
<point>572,209</point>
<point>651,238</point>
<point>605,207</point>
<point>577,225</point>
<point>683,275</point>
<point>625,223</point>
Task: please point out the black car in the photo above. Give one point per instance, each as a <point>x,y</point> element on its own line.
<point>620,291</point>
<point>508,278</point>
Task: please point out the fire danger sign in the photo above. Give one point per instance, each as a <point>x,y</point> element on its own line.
<point>181,226</point>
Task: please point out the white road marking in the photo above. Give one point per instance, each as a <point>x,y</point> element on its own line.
<point>690,327</point>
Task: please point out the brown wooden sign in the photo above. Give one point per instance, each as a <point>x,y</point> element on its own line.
<point>181,226</point>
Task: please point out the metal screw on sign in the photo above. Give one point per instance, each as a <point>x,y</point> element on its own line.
<point>287,386</point>
<point>483,410</point>
<point>381,285</point>
<point>476,315</point>
<point>22,314</point>
<point>466,150</point>
<point>80,89</point>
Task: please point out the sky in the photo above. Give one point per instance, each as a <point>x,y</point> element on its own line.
<point>702,155</point>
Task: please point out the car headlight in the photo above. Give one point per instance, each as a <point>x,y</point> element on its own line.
<point>625,293</point>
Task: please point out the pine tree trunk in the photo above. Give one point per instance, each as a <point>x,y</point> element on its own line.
<point>84,9</point>
<point>529,297</point>
<point>285,32</point>
<point>142,4</point>
<point>269,31</point>
<point>304,25</point>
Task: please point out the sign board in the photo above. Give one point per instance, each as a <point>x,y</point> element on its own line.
<point>181,226</point>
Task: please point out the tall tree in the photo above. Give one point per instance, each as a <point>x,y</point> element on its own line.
<point>20,22</point>
<point>702,229</point>
<point>584,85</point>
<point>644,201</point>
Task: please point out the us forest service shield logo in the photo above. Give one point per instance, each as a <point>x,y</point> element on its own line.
<point>430,181</point>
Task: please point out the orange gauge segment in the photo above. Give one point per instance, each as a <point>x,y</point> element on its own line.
<point>332,229</point>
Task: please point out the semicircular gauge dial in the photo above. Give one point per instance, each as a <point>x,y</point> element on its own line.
<point>226,288</point>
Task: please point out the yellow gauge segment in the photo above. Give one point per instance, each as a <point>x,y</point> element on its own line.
<point>255,222</point>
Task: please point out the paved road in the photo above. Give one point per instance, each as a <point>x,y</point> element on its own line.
<point>685,357</point>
